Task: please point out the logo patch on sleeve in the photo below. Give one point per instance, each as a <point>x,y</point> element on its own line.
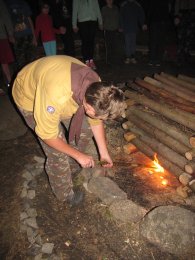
<point>50,109</point>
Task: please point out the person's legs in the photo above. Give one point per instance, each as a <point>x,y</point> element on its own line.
<point>49,48</point>
<point>91,35</point>
<point>83,31</point>
<point>57,164</point>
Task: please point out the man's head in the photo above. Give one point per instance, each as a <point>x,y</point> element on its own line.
<point>104,101</point>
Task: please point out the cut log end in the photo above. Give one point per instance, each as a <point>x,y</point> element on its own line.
<point>185,178</point>
<point>192,141</point>
<point>129,136</point>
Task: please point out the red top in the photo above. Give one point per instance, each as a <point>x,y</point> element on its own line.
<point>44,25</point>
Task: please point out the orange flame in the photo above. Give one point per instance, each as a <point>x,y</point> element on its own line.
<point>157,166</point>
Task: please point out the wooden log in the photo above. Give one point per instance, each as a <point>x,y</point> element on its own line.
<point>178,81</point>
<point>159,135</point>
<point>130,102</point>
<point>144,148</point>
<point>129,136</point>
<point>175,90</point>
<point>165,98</point>
<point>192,141</point>
<point>190,154</point>
<point>177,115</point>
<point>192,185</point>
<point>126,125</point>
<point>190,167</point>
<point>185,178</point>
<point>186,78</point>
<point>162,91</point>
<point>178,90</point>
<point>129,148</point>
<point>160,148</point>
<point>157,122</point>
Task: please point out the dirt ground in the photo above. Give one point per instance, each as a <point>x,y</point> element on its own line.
<point>88,232</point>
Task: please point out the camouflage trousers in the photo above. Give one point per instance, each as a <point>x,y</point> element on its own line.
<point>58,166</point>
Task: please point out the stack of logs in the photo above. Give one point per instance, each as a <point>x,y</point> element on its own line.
<point>161,120</point>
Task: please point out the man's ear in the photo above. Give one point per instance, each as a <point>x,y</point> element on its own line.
<point>90,110</point>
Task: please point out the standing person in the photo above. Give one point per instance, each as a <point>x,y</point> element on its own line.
<point>157,19</point>
<point>24,34</point>
<point>59,89</point>
<point>62,16</point>
<point>131,17</point>
<point>6,35</point>
<point>44,25</point>
<point>110,17</point>
<point>86,13</point>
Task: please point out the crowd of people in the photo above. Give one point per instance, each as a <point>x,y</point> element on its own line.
<point>24,25</point>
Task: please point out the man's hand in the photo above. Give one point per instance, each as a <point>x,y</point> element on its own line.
<point>85,161</point>
<point>106,161</point>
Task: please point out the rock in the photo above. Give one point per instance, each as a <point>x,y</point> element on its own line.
<point>33,184</point>
<point>25,184</point>
<point>23,193</point>
<point>38,240</point>
<point>32,212</point>
<point>23,228</point>
<point>27,175</point>
<point>86,173</point>
<point>171,228</point>
<point>106,190</point>
<point>127,211</point>
<point>36,172</point>
<point>31,235</point>
<point>39,159</point>
<point>31,222</point>
<point>47,248</point>
<point>31,194</point>
<point>34,250</point>
<point>38,257</point>
<point>23,215</point>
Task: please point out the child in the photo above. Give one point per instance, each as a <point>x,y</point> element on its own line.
<point>110,17</point>
<point>44,25</point>
<point>6,35</point>
<point>61,89</point>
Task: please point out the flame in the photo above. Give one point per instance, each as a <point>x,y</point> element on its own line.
<point>157,166</point>
<point>164,182</point>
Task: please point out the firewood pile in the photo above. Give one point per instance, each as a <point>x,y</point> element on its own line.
<point>161,120</point>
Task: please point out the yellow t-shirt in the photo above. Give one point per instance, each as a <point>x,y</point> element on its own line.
<point>44,88</point>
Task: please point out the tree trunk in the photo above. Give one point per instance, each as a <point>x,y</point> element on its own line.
<point>177,115</point>
<point>178,90</point>
<point>187,78</point>
<point>157,122</point>
<point>160,148</point>
<point>178,81</point>
<point>159,135</point>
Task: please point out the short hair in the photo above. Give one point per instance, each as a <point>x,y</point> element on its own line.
<point>106,99</point>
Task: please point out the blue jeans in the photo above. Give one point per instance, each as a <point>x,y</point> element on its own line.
<point>50,48</point>
<point>130,44</point>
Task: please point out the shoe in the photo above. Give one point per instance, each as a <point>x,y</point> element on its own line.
<point>92,64</point>
<point>2,92</point>
<point>87,63</point>
<point>76,198</point>
<point>127,61</point>
<point>133,61</point>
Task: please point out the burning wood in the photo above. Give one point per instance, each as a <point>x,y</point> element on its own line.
<point>157,136</point>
